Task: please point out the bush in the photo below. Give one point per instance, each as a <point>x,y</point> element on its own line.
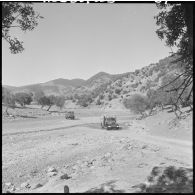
<point>118,91</point>
<point>125,92</point>
<point>114,96</point>
<point>101,96</point>
<point>134,85</point>
<point>136,103</point>
<point>84,100</point>
<point>98,102</point>
<point>109,97</point>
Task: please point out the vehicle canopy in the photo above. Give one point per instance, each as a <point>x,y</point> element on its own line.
<point>109,120</point>
<point>69,113</point>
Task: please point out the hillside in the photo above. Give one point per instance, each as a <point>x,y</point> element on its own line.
<point>103,89</point>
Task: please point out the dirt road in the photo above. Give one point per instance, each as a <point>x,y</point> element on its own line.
<point>93,158</point>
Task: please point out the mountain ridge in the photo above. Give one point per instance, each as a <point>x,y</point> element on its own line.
<point>104,88</point>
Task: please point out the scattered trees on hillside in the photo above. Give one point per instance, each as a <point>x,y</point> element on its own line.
<point>23,98</point>
<point>84,100</point>
<point>17,15</point>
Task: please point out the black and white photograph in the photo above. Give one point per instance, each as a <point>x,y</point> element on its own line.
<point>97,97</point>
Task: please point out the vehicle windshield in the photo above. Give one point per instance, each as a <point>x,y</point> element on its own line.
<point>111,121</point>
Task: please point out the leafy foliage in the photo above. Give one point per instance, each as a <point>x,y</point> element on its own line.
<point>59,101</point>
<point>43,101</point>
<point>175,23</point>
<point>84,100</point>
<point>38,94</point>
<point>8,99</point>
<point>17,15</point>
<point>136,103</point>
<point>23,98</point>
<point>118,91</point>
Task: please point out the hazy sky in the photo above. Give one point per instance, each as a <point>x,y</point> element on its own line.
<point>80,40</point>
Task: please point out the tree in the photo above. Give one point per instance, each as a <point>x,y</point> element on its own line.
<point>17,15</point>
<point>59,102</point>
<point>51,101</point>
<point>84,100</point>
<point>137,103</point>
<point>37,95</point>
<point>175,23</point>
<point>23,98</point>
<point>8,99</point>
<point>43,101</point>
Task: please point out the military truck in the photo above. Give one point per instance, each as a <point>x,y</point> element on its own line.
<point>70,115</point>
<point>109,123</point>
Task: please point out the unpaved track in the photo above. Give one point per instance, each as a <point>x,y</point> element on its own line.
<point>93,157</point>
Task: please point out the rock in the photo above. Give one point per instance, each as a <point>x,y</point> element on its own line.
<point>85,163</point>
<point>51,174</point>
<point>52,169</point>
<point>13,188</point>
<point>64,176</point>
<point>144,146</point>
<point>75,167</point>
<point>25,185</point>
<point>37,185</point>
<point>107,155</point>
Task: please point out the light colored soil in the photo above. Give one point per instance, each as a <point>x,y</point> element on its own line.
<point>94,158</point>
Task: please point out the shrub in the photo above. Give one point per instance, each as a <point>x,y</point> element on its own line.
<point>136,103</point>
<point>101,96</point>
<point>84,100</point>
<point>134,85</point>
<point>109,97</point>
<point>143,88</point>
<point>114,96</point>
<point>125,92</point>
<point>118,91</point>
<point>98,102</point>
